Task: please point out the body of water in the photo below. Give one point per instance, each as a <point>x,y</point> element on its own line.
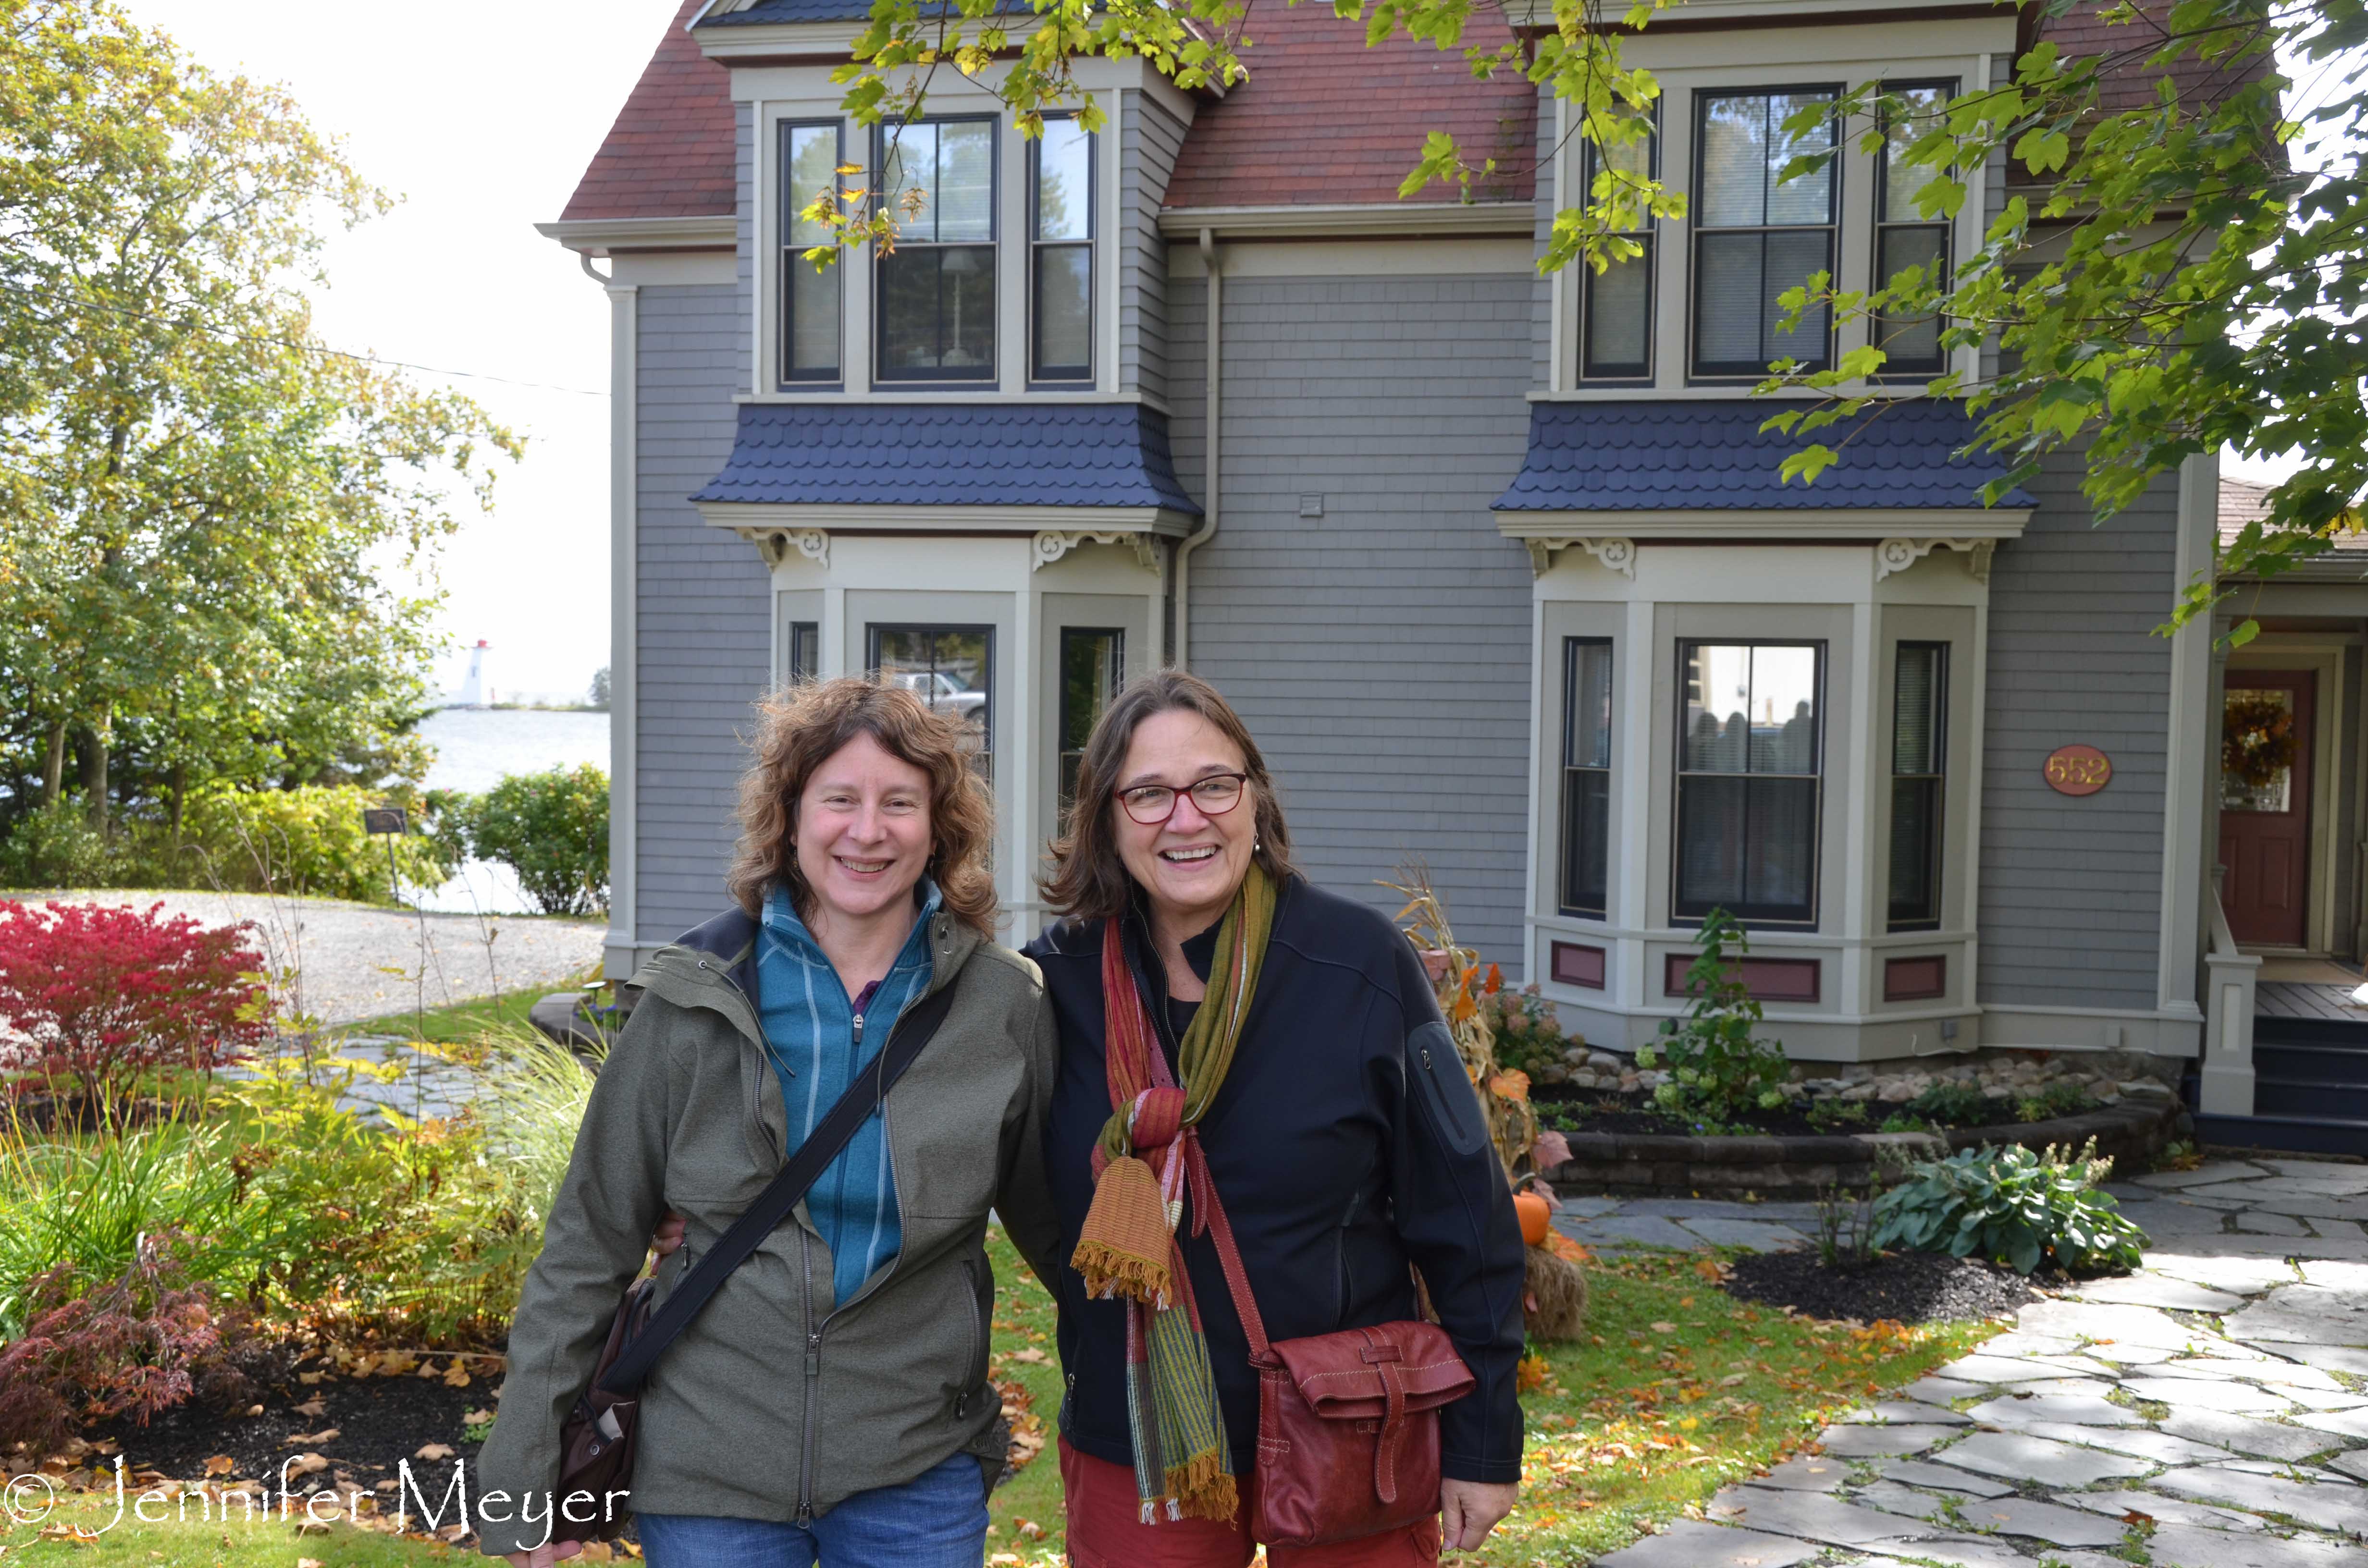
<point>475,749</point>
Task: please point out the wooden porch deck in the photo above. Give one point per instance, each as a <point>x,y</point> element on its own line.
<point>2295,999</point>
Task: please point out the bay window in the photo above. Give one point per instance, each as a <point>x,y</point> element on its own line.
<point>951,670</point>
<point>937,286</point>
<point>1749,768</point>
<point>1093,667</point>
<point>1919,716</point>
<point>1586,776</point>
<point>1903,237</point>
<point>1757,235</point>
<point>810,333</point>
<point>1061,254</point>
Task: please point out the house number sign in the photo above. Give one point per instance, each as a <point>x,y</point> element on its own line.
<point>2077,770</point>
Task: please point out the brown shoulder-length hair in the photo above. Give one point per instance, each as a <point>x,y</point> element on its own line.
<point>1088,881</point>
<point>801,727</point>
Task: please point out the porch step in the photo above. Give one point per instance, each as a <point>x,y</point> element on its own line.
<point>2309,1101</point>
<point>2270,1028</point>
<point>2311,1063</point>
<point>2296,1134</point>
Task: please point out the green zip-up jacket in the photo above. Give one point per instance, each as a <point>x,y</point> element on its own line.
<point>772,1404</point>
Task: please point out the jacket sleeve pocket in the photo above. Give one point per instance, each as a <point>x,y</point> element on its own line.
<point>1443,1090</point>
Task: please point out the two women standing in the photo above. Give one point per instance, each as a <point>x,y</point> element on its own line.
<point>1197,990</point>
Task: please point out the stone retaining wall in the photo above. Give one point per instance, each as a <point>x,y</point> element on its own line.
<point>1799,1167</point>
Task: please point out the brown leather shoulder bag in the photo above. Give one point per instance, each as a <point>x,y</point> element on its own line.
<point>1347,1439</point>
<point>596,1440</point>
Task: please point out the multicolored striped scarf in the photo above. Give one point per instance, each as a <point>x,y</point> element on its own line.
<point>1148,1155</point>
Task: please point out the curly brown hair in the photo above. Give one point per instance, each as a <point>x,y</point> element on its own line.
<point>1088,881</point>
<point>801,727</point>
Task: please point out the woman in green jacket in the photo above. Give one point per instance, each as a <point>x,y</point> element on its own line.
<point>832,1400</point>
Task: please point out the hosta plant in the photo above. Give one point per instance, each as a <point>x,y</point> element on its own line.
<point>2012,1207</point>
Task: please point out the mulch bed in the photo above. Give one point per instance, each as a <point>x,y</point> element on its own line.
<point>379,1423</point>
<point>1909,1286</point>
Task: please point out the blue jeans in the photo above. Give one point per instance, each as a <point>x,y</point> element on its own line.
<point>938,1520</point>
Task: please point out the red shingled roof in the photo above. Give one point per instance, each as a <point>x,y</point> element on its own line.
<point>1321,118</point>
<point>2130,84</point>
<point>670,154</point>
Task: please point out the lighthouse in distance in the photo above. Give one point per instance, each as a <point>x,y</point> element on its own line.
<point>473,692</point>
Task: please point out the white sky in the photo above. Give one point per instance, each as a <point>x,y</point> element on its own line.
<point>480,116</point>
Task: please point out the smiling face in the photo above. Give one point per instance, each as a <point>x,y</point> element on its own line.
<point>864,833</point>
<point>1190,864</point>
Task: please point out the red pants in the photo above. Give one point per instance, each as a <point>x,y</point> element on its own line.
<point>1106,1530</point>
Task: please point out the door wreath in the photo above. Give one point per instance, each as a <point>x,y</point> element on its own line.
<point>2256,738</point>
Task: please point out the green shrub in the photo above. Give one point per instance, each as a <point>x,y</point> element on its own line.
<point>306,841</point>
<point>1529,1035</point>
<point>55,846</point>
<point>533,1102</point>
<point>551,829</point>
<point>2012,1207</point>
<point>1956,1105</point>
<point>1716,1067</point>
<point>2057,1099</point>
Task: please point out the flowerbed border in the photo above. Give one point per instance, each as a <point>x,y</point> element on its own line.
<point>1800,1166</point>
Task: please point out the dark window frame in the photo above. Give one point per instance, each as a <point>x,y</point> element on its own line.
<point>1697,369</point>
<point>1063,772</point>
<point>1760,916</point>
<point>937,375</point>
<point>800,668</point>
<point>1879,327</point>
<point>1649,237</point>
<point>1933,783</point>
<point>986,630</point>
<point>1576,774</point>
<point>1067,378</point>
<point>788,376</point>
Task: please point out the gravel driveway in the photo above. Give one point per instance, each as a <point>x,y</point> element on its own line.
<point>352,961</point>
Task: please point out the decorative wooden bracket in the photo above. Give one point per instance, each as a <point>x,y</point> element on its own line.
<point>773,545</point>
<point>1616,553</point>
<point>1054,543</point>
<point>1899,554</point>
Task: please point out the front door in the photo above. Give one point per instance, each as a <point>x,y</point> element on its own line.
<point>2265,806</point>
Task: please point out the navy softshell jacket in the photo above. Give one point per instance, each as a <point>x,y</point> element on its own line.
<point>1345,1143</point>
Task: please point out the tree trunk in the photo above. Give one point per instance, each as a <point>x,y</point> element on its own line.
<point>180,785</point>
<point>54,766</point>
<point>93,751</point>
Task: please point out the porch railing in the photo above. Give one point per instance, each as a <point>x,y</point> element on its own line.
<point>2227,1088</point>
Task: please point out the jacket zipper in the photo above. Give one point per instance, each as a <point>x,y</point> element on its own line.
<point>973,1372</point>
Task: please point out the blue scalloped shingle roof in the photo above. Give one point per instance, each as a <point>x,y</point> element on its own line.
<point>1682,454</point>
<point>950,454</point>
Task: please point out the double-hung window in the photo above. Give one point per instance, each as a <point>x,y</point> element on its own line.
<point>1093,667</point>
<point>951,670</point>
<point>811,332</point>
<point>1756,233</point>
<point>1750,753</point>
<point>1585,775</point>
<point>1061,254</point>
<point>1904,238</point>
<point>937,287</point>
<point>1616,308</point>
<point>1918,720</point>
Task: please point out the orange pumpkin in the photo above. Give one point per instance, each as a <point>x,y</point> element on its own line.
<point>1537,1217</point>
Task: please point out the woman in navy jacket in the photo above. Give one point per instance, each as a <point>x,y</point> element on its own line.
<point>1345,1142</point>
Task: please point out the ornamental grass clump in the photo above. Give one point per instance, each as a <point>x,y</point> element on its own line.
<point>1717,1069</point>
<point>2012,1207</point>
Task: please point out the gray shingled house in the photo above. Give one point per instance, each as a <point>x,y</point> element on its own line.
<point>1497,567</point>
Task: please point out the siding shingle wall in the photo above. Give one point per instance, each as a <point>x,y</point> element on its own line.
<point>1379,653</point>
<point>2072,887</point>
<point>1150,138</point>
<point>705,646</point>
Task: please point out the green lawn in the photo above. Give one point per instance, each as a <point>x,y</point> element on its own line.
<point>465,1021</point>
<point>1678,1390</point>
<point>84,1530</point>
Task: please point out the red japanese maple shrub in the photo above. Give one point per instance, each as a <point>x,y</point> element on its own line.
<point>142,1343</point>
<point>96,995</point>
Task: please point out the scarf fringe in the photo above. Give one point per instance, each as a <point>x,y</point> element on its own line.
<point>1125,1245</point>
<point>1200,1489</point>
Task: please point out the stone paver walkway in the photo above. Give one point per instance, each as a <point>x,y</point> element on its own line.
<point>2208,1412</point>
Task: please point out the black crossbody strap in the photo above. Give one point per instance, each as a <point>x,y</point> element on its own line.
<point>911,1035</point>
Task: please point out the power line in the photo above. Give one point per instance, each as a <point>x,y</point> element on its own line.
<point>310,347</point>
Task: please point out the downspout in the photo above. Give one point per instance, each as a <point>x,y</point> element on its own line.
<point>1209,473</point>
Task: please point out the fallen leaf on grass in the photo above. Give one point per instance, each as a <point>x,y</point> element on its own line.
<point>456,1376</point>
<point>322,1438</point>
<point>308,1563</point>
<point>1030,1354</point>
<point>311,1407</point>
<point>434,1451</point>
<point>1664,1327</point>
<point>305,1464</point>
<point>221,1464</point>
<point>476,1418</point>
